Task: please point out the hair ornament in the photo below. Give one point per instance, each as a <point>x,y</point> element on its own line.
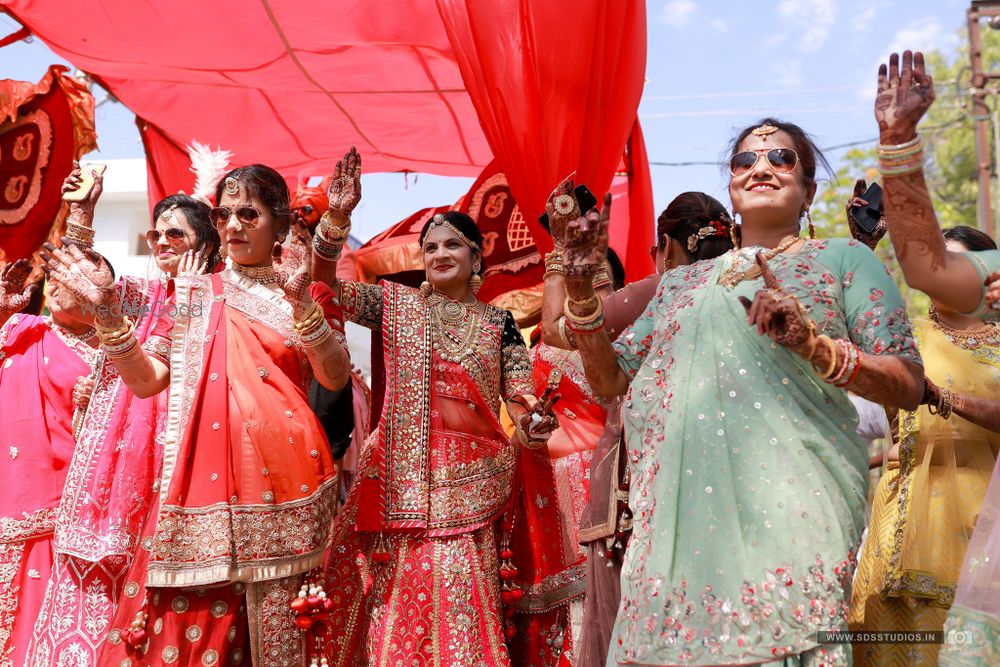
<point>763,131</point>
<point>440,221</point>
<point>232,186</point>
<point>714,228</point>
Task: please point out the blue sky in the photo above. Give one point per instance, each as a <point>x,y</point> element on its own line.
<point>713,67</point>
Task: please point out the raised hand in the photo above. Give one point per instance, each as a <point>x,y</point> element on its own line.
<point>82,212</point>
<point>561,208</point>
<point>345,186</point>
<point>300,245</point>
<point>14,295</point>
<point>296,285</point>
<point>777,313</point>
<point>82,273</point>
<point>191,263</point>
<point>586,246</point>
<point>904,96</point>
<point>993,290</point>
<point>870,240</point>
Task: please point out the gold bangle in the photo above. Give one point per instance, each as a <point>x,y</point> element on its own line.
<point>311,319</point>
<point>830,345</point>
<point>584,319</point>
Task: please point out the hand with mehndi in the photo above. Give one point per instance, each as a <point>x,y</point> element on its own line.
<point>296,285</point>
<point>586,247</point>
<point>344,192</point>
<point>860,235</point>
<point>82,212</point>
<point>561,209</point>
<point>300,245</point>
<point>993,291</point>
<point>538,423</point>
<point>83,273</point>
<point>82,390</point>
<point>778,314</point>
<point>191,264</point>
<point>904,96</point>
<point>14,294</point>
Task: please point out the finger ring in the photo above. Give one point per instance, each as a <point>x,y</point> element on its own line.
<point>564,204</point>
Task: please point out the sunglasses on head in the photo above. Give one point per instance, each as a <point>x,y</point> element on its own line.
<point>174,235</point>
<point>247,215</point>
<point>782,160</point>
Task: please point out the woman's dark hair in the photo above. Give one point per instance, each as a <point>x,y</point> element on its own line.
<point>686,215</point>
<point>464,224</point>
<point>971,238</point>
<point>809,153</point>
<point>617,270</point>
<point>266,185</point>
<point>196,212</point>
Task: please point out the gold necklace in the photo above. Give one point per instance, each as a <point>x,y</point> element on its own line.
<point>733,276</point>
<point>265,275</point>
<point>988,333</point>
<point>454,330</point>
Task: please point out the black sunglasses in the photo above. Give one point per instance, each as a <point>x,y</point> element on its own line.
<point>174,235</point>
<point>782,160</point>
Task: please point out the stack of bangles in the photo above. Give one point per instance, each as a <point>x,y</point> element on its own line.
<point>845,361</point>
<point>553,265</point>
<point>329,240</point>
<point>901,159</point>
<point>313,329</point>
<point>601,278</point>
<point>944,404</point>
<point>585,324</point>
<point>80,235</point>
<point>118,343</point>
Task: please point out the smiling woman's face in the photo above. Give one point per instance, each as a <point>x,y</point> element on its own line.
<point>447,259</point>
<point>764,194</point>
<point>170,244</point>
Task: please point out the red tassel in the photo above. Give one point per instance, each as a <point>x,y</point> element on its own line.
<point>303,621</point>
<point>381,557</point>
<point>298,605</point>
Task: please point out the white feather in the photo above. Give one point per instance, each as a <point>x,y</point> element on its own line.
<point>208,166</point>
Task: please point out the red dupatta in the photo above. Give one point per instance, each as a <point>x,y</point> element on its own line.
<point>248,487</point>
<point>109,485</point>
<point>440,461</point>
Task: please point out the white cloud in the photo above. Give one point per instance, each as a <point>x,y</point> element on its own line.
<point>719,25</point>
<point>809,20</point>
<point>678,12</point>
<point>788,74</point>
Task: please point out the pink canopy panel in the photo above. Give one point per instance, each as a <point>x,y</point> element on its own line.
<point>291,84</point>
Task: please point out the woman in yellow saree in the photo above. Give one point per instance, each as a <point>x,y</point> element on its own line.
<point>929,497</point>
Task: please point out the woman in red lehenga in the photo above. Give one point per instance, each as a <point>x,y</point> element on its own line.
<point>247,489</point>
<point>109,484</point>
<point>415,570</point>
<point>42,360</point>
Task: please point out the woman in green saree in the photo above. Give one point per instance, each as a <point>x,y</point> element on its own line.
<point>748,481</point>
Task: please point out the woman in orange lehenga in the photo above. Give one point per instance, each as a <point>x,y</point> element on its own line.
<point>414,572</point>
<point>248,486</point>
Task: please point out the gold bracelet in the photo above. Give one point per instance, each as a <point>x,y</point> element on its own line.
<point>582,320</point>
<point>311,320</point>
<point>330,230</point>
<point>115,336</point>
<point>566,334</point>
<point>828,342</point>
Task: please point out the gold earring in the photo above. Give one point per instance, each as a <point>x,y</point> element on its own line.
<point>476,281</point>
<point>812,228</point>
<point>425,289</point>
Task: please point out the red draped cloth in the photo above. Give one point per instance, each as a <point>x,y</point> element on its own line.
<point>38,370</point>
<point>556,86</point>
<point>553,490</point>
<point>247,490</point>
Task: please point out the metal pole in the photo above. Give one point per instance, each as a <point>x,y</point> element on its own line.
<point>981,116</point>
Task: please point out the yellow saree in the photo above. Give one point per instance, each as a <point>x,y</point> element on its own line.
<point>926,506</point>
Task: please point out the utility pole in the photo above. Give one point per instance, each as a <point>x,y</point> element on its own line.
<point>980,9</point>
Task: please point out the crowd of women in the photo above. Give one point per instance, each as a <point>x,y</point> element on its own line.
<point>680,481</point>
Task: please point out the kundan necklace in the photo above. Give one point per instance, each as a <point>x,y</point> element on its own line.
<point>734,276</point>
<point>265,275</point>
<point>987,334</point>
<point>455,326</point>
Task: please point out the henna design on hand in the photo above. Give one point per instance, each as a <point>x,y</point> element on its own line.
<point>586,244</point>
<point>296,287</point>
<point>871,240</point>
<point>14,294</point>
<point>903,96</point>
<point>777,313</point>
<point>298,250</point>
<point>344,192</point>
<point>83,273</point>
<point>559,221</point>
<point>82,389</point>
<point>82,212</point>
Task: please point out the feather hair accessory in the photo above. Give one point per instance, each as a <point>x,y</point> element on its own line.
<point>209,167</point>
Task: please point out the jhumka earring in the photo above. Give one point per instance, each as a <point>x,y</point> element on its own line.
<point>425,289</point>
<point>476,281</point>
<point>732,232</point>
<point>812,228</point>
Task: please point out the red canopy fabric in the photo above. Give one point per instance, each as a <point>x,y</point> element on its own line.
<point>556,85</point>
<point>290,84</point>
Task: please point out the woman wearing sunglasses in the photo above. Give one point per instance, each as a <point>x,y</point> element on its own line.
<point>748,482</point>
<point>248,486</point>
